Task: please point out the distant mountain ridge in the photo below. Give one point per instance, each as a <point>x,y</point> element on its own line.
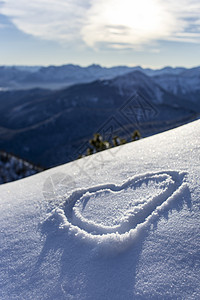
<point>57,77</point>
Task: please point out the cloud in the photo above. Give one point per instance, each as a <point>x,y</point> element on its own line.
<point>133,23</point>
<point>128,22</point>
<point>116,24</point>
<point>57,20</point>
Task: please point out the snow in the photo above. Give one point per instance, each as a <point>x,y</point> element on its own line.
<point>120,224</point>
<point>180,84</point>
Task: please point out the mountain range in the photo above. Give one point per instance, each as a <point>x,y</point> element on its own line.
<point>52,126</point>
<point>56,77</point>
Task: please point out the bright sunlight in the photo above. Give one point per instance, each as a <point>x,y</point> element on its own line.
<point>130,22</point>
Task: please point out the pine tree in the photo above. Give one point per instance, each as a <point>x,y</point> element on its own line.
<point>136,135</point>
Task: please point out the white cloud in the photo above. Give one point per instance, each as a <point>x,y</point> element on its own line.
<point>127,23</point>
<point>116,24</point>
<point>57,20</point>
<point>132,23</point>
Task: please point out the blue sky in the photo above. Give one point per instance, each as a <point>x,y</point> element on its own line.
<point>150,33</point>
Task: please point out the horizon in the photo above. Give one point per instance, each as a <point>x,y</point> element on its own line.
<point>150,33</point>
<point>95,64</point>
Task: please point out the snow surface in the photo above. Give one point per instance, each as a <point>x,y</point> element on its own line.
<point>120,224</point>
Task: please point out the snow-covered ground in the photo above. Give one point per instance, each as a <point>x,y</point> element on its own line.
<point>120,224</point>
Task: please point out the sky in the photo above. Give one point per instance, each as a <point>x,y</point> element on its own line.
<point>149,33</point>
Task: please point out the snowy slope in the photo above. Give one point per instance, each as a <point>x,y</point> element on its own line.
<point>185,84</point>
<point>179,85</point>
<point>121,224</point>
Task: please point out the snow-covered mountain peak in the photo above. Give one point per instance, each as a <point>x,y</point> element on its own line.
<point>184,84</point>
<point>138,82</point>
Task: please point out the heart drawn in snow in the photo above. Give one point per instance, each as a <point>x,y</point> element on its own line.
<point>117,214</point>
